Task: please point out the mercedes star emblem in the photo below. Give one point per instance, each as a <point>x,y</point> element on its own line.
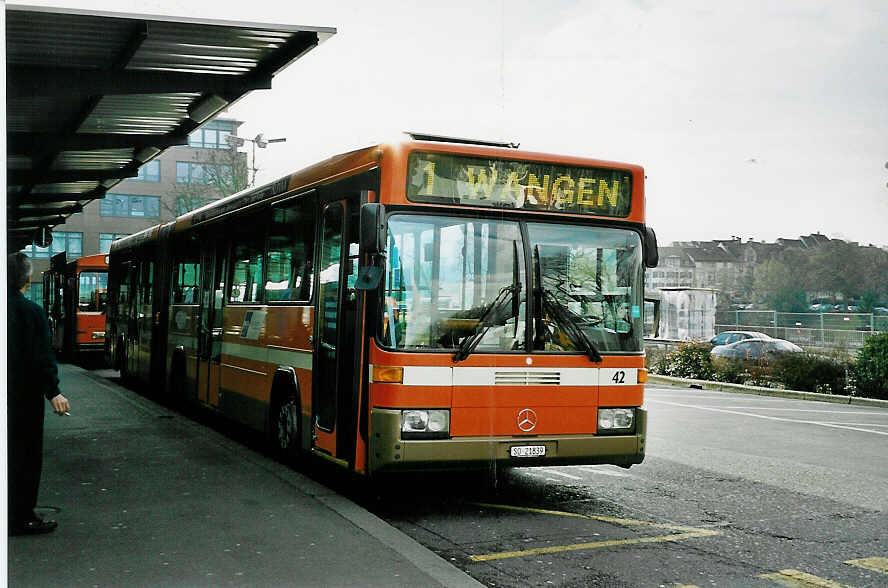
<point>527,420</point>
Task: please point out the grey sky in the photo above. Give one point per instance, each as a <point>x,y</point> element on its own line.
<point>757,119</point>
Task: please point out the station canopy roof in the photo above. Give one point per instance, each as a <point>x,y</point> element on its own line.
<point>92,96</point>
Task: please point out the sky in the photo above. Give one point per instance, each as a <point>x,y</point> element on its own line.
<point>755,119</point>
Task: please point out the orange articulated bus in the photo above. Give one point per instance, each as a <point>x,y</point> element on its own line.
<point>432,303</point>
<point>75,295</point>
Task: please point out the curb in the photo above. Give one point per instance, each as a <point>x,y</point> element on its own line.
<point>761,391</point>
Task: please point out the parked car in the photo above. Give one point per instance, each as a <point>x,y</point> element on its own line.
<point>726,337</point>
<point>755,349</point>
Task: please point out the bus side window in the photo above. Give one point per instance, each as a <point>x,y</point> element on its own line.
<point>246,262</point>
<point>186,276</point>
<point>147,285</point>
<point>290,251</point>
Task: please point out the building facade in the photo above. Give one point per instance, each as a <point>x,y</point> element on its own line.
<point>728,266</point>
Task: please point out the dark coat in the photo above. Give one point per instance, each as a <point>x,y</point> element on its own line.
<point>32,371</point>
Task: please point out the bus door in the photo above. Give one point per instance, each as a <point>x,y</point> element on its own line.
<point>52,295</point>
<point>141,359</point>
<point>53,300</point>
<point>67,334</point>
<point>334,406</point>
<point>128,312</point>
<point>209,338</point>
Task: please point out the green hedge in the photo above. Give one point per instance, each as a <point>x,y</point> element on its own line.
<point>688,360</point>
<point>797,371</point>
<point>811,373</point>
<point>870,371</point>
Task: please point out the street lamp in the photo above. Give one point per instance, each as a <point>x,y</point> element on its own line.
<point>259,141</point>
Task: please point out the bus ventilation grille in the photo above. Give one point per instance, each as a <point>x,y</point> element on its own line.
<point>524,378</point>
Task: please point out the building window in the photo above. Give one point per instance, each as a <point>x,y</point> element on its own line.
<point>150,172</point>
<point>201,173</point>
<point>213,135</point>
<point>36,252</point>
<point>105,240</point>
<point>128,205</point>
<point>70,242</point>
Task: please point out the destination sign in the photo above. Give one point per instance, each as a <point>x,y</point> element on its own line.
<point>526,185</point>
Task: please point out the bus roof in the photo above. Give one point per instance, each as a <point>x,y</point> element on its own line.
<point>59,263</point>
<point>98,261</point>
<point>142,236</point>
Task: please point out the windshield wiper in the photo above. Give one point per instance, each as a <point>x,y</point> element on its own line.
<point>567,322</point>
<point>492,314</point>
<point>490,317</point>
<point>564,318</point>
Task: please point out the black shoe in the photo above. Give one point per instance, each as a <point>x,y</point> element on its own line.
<point>33,527</point>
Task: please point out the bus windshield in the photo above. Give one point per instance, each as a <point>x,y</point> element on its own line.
<point>589,285</point>
<point>93,295</point>
<point>464,284</point>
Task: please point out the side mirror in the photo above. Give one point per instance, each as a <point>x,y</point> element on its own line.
<point>372,228</point>
<point>372,244</point>
<point>651,255</point>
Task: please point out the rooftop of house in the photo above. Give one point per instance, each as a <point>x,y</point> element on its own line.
<point>734,249</point>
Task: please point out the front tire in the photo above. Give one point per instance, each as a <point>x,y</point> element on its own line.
<point>285,429</point>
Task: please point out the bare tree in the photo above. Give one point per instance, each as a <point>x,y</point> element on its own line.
<point>214,174</point>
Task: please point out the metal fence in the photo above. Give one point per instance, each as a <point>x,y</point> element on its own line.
<point>808,329</point>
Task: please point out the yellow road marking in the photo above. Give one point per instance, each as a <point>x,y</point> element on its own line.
<point>876,564</point>
<point>684,533</point>
<point>592,545</point>
<point>797,579</point>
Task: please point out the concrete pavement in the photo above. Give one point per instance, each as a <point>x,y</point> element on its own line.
<point>145,496</point>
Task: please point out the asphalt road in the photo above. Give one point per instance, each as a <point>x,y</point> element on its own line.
<point>736,490</point>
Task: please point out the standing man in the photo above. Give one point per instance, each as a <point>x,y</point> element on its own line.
<point>32,376</point>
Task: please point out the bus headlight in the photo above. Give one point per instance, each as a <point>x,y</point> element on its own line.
<point>616,420</point>
<point>425,424</point>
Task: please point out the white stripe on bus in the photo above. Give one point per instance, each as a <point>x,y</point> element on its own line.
<point>416,375</point>
<point>296,358</point>
<point>501,376</point>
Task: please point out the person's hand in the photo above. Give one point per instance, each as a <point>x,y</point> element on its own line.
<point>60,404</point>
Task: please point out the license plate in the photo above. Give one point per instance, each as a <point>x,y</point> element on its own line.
<point>527,451</point>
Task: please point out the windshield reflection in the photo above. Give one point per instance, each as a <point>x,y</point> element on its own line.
<point>461,284</point>
<point>444,275</point>
<point>594,276</point>
<point>93,292</point>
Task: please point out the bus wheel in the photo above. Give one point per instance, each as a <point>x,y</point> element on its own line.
<point>285,432</point>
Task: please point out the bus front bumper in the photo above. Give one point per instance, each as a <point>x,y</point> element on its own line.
<point>389,452</point>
